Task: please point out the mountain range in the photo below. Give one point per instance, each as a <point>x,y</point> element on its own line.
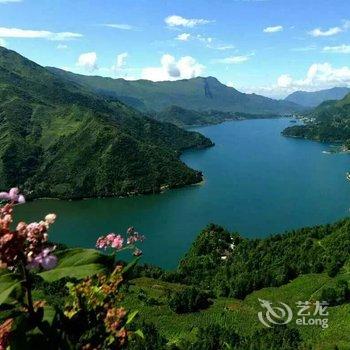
<point>313,99</point>
<point>198,94</point>
<point>65,135</point>
<point>58,139</point>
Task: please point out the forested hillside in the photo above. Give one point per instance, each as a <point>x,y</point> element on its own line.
<point>330,122</point>
<point>60,140</point>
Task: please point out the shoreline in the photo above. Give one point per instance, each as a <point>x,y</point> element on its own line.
<point>162,189</point>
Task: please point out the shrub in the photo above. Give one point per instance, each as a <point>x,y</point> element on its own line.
<point>189,300</point>
<point>336,295</point>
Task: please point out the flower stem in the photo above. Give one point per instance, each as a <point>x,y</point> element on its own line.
<point>28,289</point>
<point>130,246</point>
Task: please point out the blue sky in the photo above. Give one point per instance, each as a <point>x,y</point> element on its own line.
<point>271,47</point>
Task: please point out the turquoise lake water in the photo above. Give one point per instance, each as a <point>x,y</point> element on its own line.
<point>257,182</point>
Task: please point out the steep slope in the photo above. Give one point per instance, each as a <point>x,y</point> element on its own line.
<point>60,140</point>
<point>330,122</point>
<point>313,99</point>
<point>199,94</point>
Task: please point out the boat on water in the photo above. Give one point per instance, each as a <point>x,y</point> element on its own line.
<point>348,175</point>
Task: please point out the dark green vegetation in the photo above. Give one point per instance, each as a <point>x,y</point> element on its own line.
<point>199,94</point>
<point>229,265</point>
<point>313,99</point>
<point>309,264</point>
<point>198,307</point>
<point>60,140</point>
<point>189,300</point>
<point>330,123</point>
<point>184,117</point>
<point>337,294</point>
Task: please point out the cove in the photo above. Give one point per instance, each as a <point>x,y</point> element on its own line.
<point>257,182</point>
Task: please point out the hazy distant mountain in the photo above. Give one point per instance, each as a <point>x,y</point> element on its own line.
<point>60,140</point>
<point>199,94</point>
<point>184,117</point>
<point>313,99</point>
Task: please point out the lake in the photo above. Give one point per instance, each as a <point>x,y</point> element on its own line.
<point>257,182</point>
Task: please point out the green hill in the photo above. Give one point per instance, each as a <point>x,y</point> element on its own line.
<point>330,122</point>
<point>306,265</point>
<point>249,264</point>
<point>242,315</point>
<point>60,140</point>
<point>199,94</point>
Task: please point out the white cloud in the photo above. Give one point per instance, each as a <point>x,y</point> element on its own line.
<point>223,47</point>
<point>319,76</point>
<point>62,47</point>
<point>64,36</point>
<point>230,84</point>
<point>201,38</point>
<point>183,37</point>
<point>233,59</point>
<point>121,60</point>
<point>185,68</point>
<point>189,67</point>
<point>204,39</point>
<point>209,42</point>
<point>120,26</point>
<point>178,21</point>
<point>304,49</point>
<point>2,42</point>
<point>337,49</point>
<point>8,1</point>
<point>273,29</point>
<point>284,80</point>
<point>329,32</point>
<point>88,61</point>
<point>318,32</point>
<point>37,34</point>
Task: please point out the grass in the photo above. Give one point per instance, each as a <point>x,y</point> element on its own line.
<point>242,315</point>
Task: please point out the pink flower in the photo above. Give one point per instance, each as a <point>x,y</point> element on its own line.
<point>135,237</point>
<point>111,240</point>
<point>13,196</point>
<point>117,242</point>
<point>29,240</point>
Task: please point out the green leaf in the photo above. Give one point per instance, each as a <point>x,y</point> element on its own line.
<point>49,314</point>
<point>131,317</point>
<point>10,285</point>
<point>139,333</point>
<point>77,263</point>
